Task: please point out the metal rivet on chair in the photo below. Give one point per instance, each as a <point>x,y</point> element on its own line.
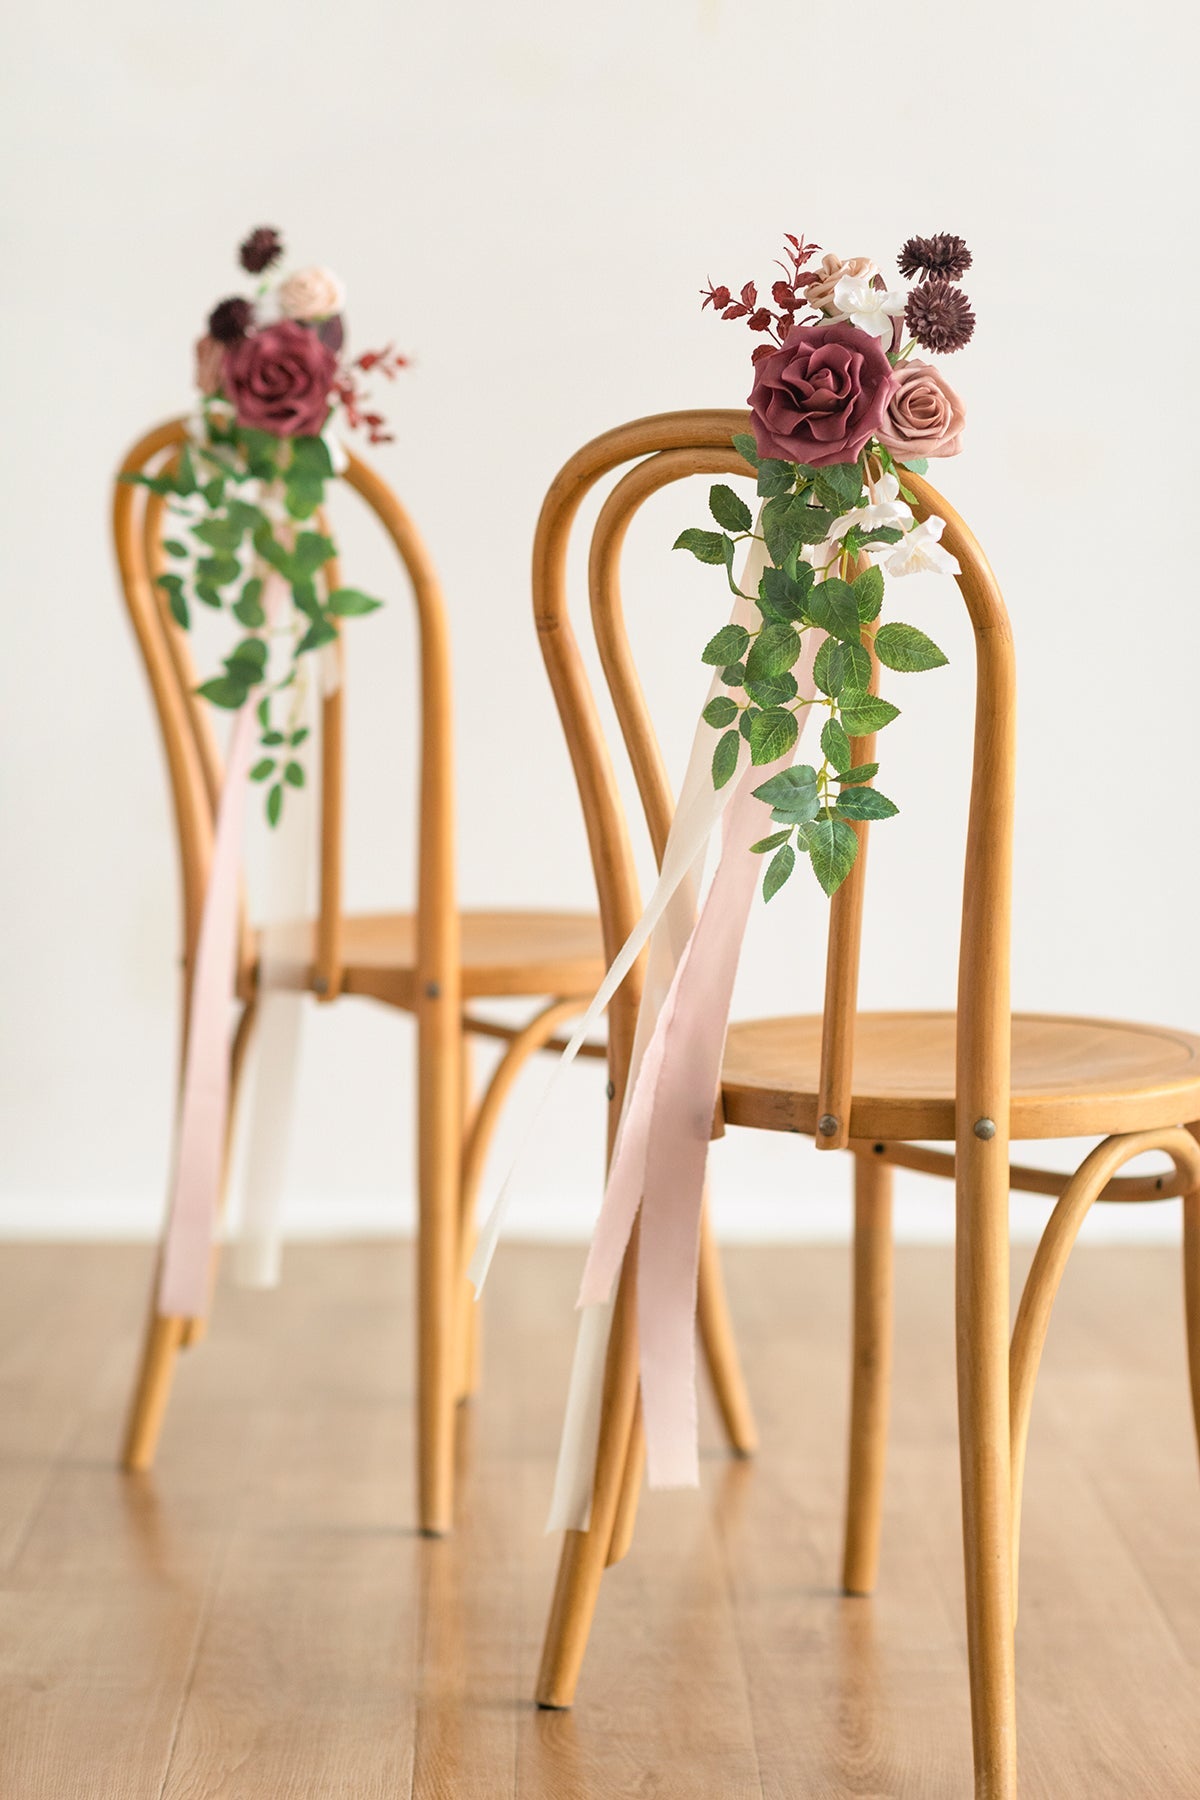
<point>611,1091</point>
<point>432,990</point>
<point>985,1128</point>
<point>320,985</point>
<point>827,1125</point>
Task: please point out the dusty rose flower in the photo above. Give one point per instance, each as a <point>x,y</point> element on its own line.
<point>210,364</point>
<point>279,380</point>
<point>311,294</point>
<point>820,292</point>
<point>819,397</point>
<point>924,415</point>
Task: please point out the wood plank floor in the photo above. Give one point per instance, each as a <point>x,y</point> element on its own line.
<point>257,1621</point>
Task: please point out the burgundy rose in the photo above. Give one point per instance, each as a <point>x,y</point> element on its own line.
<point>924,414</point>
<point>821,395</point>
<point>279,380</point>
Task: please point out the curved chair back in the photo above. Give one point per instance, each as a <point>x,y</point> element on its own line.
<point>666,448</point>
<point>193,759</point>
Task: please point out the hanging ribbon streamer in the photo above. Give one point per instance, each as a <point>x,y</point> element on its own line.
<point>185,1274</point>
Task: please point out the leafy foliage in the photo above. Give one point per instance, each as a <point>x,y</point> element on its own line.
<point>239,502</point>
<point>819,581</point>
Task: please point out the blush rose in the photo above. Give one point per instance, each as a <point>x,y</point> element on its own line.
<point>279,380</point>
<point>820,396</point>
<point>924,416</point>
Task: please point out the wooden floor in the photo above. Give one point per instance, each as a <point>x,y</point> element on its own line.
<point>258,1619</point>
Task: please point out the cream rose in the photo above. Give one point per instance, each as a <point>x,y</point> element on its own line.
<point>311,294</point>
<point>833,269</point>
<point>924,415</point>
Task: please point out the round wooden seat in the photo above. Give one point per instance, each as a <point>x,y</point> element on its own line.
<point>1070,1078</point>
<point>502,954</point>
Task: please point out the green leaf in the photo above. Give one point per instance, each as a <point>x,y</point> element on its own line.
<point>302,495</point>
<point>157,484</point>
<point>825,674</point>
<point>185,474</point>
<point>789,522</point>
<point>792,794</point>
<point>838,486</point>
<point>832,846</point>
<point>781,596</point>
<point>348,603</point>
<point>775,478</point>
<point>720,712</point>
<point>173,547</point>
<point>264,711</point>
<point>778,870</point>
<point>774,651</point>
<point>246,673</point>
<point>771,843</point>
<point>919,465</point>
<point>772,734</point>
<point>311,551</point>
<point>272,739</point>
<point>865,803</point>
<point>868,594</point>
<point>298,737</point>
<point>734,674</point>
<point>274,804</point>
<point>179,608</point>
<point>728,646</point>
<point>746,447</point>
<point>836,745</point>
<point>269,547</point>
<point>831,605</point>
<point>776,691</point>
<point>224,690</point>
<point>209,594</point>
<point>261,450</point>
<point>294,775</point>
<point>863,713</point>
<point>319,632</point>
<point>729,509</point>
<point>707,546</point>
<point>249,612</point>
<point>864,772</point>
<point>220,534</point>
<point>849,667</point>
<point>306,599</point>
<point>725,758</point>
<point>905,648</point>
<point>218,571</point>
<point>310,456</point>
<point>746,722</point>
<point>252,649</point>
<point>262,769</point>
<point>882,534</point>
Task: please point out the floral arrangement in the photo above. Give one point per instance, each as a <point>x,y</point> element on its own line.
<point>274,380</point>
<point>840,408</point>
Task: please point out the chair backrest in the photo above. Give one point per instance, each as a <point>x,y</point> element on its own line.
<point>193,758</point>
<point>666,448</point>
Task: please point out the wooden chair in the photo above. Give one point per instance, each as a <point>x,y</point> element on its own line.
<point>873,1084</point>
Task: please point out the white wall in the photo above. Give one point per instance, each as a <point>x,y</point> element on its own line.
<point>529,197</point>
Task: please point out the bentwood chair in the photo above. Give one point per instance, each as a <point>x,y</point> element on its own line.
<point>879,1085</point>
<point>434,963</point>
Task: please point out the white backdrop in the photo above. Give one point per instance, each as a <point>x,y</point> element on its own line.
<point>529,198</point>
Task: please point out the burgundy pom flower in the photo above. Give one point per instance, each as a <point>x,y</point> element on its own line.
<point>263,247</point>
<point>939,316</point>
<point>280,379</point>
<point>943,255</point>
<point>230,320</point>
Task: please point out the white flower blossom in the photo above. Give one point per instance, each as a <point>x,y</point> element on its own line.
<point>885,507</point>
<point>919,552</point>
<point>872,309</point>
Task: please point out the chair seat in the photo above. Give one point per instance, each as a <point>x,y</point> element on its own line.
<point>503,953</point>
<point>1070,1077</point>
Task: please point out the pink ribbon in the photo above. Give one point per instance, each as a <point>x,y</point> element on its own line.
<point>185,1274</point>
<point>662,1151</point>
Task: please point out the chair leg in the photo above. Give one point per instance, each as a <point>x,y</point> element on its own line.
<point>720,1346</point>
<point>631,1490</point>
<point>981,1304</point>
<point>439,1160</point>
<point>166,1336</point>
<point>871,1373</point>
<point>586,1554</point>
<point>1191,1293</point>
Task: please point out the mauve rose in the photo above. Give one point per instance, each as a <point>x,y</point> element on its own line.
<point>279,380</point>
<point>210,364</point>
<point>820,396</point>
<point>924,415</point>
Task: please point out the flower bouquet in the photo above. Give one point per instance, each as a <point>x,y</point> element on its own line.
<point>274,381</point>
<point>840,408</point>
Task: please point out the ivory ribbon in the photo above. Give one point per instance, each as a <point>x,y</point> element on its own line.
<point>185,1273</point>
